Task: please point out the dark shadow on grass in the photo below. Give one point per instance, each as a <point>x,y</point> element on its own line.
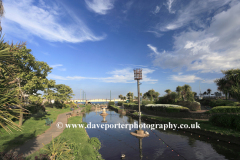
<point>41,117</point>
<point>20,140</point>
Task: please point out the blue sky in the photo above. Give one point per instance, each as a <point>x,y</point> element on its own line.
<point>94,45</point>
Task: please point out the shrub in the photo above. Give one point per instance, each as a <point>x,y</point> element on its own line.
<point>58,104</point>
<point>58,149</point>
<point>40,113</point>
<point>226,120</point>
<point>120,103</point>
<point>35,108</point>
<point>67,105</point>
<point>111,103</point>
<point>42,157</point>
<point>218,102</point>
<point>169,108</point>
<point>47,104</point>
<point>193,106</point>
<point>225,109</point>
<point>147,102</point>
<point>95,142</point>
<point>11,156</point>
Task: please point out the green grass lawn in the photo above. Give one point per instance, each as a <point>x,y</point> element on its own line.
<point>31,128</point>
<point>204,125</point>
<point>81,146</point>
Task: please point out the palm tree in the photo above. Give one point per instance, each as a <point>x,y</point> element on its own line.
<point>168,91</point>
<point>179,90</point>
<point>204,93</point>
<point>120,96</point>
<point>209,91</point>
<point>186,90</point>
<point>1,14</point>
<point>223,85</point>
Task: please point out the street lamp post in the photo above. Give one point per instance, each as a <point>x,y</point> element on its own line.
<point>138,76</point>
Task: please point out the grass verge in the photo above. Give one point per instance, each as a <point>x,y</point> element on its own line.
<point>31,128</point>
<point>82,146</point>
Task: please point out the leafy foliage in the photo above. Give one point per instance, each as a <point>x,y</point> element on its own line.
<point>63,92</point>
<point>226,120</point>
<point>58,149</point>
<point>95,142</point>
<point>111,103</point>
<point>225,109</point>
<point>193,106</point>
<point>167,108</point>
<point>120,103</point>
<point>230,83</point>
<point>151,94</point>
<point>11,156</point>
<point>130,96</point>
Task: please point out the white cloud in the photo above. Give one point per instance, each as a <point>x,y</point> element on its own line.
<point>100,6</point>
<point>192,12</point>
<point>125,75</point>
<point>157,34</point>
<point>157,9</point>
<point>211,50</point>
<point>185,78</point>
<point>169,6</point>
<point>154,49</point>
<point>56,65</point>
<point>208,81</point>
<point>26,18</point>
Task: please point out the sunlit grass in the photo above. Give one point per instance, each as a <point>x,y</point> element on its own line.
<point>31,128</point>
<point>82,148</point>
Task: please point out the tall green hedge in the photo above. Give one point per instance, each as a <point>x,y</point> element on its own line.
<point>217,102</point>
<point>169,109</point>
<point>226,120</point>
<point>225,109</point>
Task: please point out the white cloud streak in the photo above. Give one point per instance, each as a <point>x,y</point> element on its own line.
<point>189,78</point>
<point>169,6</point>
<point>56,65</point>
<point>26,18</point>
<point>190,13</point>
<point>157,9</point>
<point>211,50</point>
<point>125,75</point>
<point>100,6</point>
<point>157,34</point>
<point>184,78</point>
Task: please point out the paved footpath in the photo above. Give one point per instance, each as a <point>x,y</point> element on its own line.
<point>35,144</point>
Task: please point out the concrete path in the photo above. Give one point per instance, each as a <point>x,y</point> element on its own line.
<point>35,144</point>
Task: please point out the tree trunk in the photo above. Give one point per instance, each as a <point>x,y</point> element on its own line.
<point>21,118</point>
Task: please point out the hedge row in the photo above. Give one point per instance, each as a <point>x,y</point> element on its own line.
<point>111,103</point>
<point>218,102</point>
<point>226,120</point>
<point>225,109</point>
<point>193,106</point>
<point>169,109</point>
